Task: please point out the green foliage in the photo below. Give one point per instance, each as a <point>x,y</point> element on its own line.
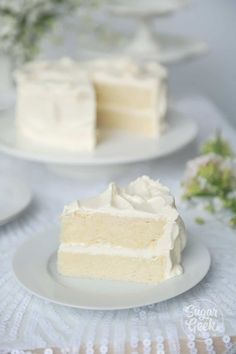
<point>210,208</point>
<point>24,24</point>
<point>232,222</point>
<point>194,189</point>
<point>200,221</point>
<point>218,146</point>
<point>214,177</point>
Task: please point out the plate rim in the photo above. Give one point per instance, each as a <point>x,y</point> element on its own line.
<point>44,234</point>
<point>41,156</point>
<point>24,206</point>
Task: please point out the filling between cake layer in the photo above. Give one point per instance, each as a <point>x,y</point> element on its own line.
<point>111,250</point>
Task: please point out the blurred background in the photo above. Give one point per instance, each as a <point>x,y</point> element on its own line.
<point>213,21</point>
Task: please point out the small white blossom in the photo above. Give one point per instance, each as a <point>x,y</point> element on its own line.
<point>218,204</point>
<point>194,164</point>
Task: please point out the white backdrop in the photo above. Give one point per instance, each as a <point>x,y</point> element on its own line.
<point>213,75</point>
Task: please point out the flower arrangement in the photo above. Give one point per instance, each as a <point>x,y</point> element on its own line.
<point>23,23</point>
<point>211,177</point>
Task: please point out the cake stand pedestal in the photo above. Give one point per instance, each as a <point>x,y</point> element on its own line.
<point>146,43</point>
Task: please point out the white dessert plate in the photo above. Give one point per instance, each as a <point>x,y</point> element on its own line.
<point>115,147</point>
<point>39,276</point>
<point>15,197</point>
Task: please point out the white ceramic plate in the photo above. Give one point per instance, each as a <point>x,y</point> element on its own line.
<point>116,147</point>
<point>15,197</point>
<point>39,276</point>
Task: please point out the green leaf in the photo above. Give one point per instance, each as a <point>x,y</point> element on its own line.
<point>217,145</point>
<point>200,220</point>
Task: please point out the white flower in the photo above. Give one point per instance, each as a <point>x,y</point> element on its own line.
<point>218,204</point>
<point>194,164</point>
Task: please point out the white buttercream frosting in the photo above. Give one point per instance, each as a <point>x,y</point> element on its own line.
<point>61,72</point>
<point>125,68</point>
<point>68,70</point>
<point>109,250</point>
<point>65,117</point>
<point>143,197</point>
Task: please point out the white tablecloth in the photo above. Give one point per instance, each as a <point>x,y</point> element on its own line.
<point>29,322</point>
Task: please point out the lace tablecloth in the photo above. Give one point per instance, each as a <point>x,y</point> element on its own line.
<point>29,322</point>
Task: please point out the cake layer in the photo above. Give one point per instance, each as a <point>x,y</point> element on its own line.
<point>135,269</point>
<point>135,97</point>
<point>139,123</point>
<point>138,216</point>
<point>96,228</point>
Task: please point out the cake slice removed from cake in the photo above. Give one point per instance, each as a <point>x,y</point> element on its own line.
<point>133,233</point>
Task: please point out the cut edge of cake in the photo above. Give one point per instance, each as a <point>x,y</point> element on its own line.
<point>155,245</point>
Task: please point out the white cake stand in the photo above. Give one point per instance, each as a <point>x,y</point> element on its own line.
<point>115,151</point>
<point>146,44</point>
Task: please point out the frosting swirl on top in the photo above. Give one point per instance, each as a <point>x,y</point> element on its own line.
<point>67,69</point>
<point>143,197</point>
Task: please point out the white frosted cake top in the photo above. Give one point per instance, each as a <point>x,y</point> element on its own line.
<point>60,71</point>
<point>142,198</point>
<point>125,67</point>
<point>65,70</point>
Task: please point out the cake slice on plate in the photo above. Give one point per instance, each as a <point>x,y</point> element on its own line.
<point>133,233</point>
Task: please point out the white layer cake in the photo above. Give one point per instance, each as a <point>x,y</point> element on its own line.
<point>61,104</point>
<point>56,105</point>
<point>133,233</point>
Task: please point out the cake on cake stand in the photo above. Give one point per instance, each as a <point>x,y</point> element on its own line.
<point>147,44</point>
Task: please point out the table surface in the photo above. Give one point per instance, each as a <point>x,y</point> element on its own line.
<point>27,322</point>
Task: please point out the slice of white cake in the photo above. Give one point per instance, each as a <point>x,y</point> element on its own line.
<point>56,105</point>
<point>133,233</point>
<point>130,95</point>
